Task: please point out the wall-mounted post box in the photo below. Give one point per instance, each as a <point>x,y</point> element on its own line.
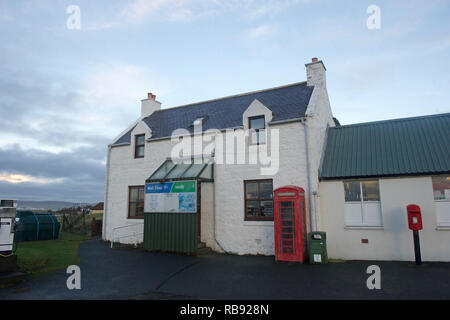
<point>414,217</point>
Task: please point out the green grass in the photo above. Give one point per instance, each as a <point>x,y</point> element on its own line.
<point>43,257</point>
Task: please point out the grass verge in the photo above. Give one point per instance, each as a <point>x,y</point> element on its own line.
<point>39,258</point>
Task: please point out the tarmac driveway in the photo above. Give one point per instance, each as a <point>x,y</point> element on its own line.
<point>128,273</point>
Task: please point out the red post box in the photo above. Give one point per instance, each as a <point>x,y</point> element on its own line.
<point>290,224</point>
<point>414,217</point>
<point>415,224</point>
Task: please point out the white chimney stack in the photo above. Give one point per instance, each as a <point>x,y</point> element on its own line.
<point>150,105</point>
<point>316,73</point>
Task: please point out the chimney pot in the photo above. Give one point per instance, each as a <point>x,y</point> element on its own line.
<point>314,60</point>
<point>150,105</point>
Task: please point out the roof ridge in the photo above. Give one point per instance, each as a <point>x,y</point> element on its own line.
<point>392,120</point>
<point>234,96</point>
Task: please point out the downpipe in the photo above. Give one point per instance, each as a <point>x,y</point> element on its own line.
<point>105,213</point>
<point>214,209</point>
<point>308,173</point>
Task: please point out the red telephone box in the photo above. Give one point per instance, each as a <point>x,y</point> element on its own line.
<point>290,224</point>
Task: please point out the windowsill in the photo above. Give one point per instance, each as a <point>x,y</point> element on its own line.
<point>364,228</point>
<point>443,228</point>
<point>260,223</point>
<point>135,218</point>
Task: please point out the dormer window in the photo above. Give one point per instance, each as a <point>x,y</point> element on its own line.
<point>139,146</point>
<point>257,126</point>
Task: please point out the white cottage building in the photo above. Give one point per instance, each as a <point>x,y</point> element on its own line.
<point>228,155</point>
<point>236,213</point>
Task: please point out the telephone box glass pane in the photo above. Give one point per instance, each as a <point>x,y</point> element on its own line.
<point>371,191</point>
<point>352,191</point>
<point>287,227</point>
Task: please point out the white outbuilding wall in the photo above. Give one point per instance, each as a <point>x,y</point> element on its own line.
<point>393,241</point>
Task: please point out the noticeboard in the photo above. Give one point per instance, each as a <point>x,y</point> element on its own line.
<point>178,197</point>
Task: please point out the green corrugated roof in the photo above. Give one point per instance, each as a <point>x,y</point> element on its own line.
<point>410,146</point>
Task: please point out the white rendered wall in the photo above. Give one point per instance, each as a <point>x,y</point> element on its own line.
<point>394,241</point>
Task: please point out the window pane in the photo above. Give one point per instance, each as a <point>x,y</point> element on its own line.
<point>441,187</point>
<point>252,209</point>
<point>254,137</point>
<point>134,194</point>
<point>140,151</point>
<point>267,208</point>
<point>140,140</point>
<point>136,209</point>
<point>265,190</point>
<point>141,194</point>
<point>262,136</point>
<point>371,191</point>
<point>258,123</point>
<point>252,190</point>
<point>352,191</point>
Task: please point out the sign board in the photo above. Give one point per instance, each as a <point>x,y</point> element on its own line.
<point>179,196</point>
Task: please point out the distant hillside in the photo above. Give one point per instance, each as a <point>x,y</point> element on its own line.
<point>46,205</point>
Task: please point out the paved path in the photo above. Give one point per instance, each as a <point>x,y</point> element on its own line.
<point>129,273</point>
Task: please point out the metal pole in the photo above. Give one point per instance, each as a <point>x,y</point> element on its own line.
<point>417,248</point>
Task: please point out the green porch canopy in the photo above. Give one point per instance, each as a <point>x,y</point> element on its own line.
<point>171,171</point>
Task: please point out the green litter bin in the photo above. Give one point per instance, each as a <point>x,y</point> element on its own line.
<point>317,246</point>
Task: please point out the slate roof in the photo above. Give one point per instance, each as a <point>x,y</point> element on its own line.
<point>287,102</point>
<point>409,146</point>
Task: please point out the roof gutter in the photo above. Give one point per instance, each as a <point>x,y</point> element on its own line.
<point>286,121</point>
<point>192,134</point>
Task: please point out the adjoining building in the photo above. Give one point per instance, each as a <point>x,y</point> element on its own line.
<point>371,172</point>
<point>243,147</point>
<point>98,208</point>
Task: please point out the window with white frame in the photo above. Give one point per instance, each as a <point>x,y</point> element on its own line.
<point>441,192</point>
<point>362,204</point>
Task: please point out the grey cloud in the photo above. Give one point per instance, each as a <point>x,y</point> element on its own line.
<point>81,163</point>
<point>74,190</point>
<point>82,172</point>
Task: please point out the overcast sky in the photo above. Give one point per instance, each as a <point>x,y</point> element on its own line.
<point>65,94</point>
